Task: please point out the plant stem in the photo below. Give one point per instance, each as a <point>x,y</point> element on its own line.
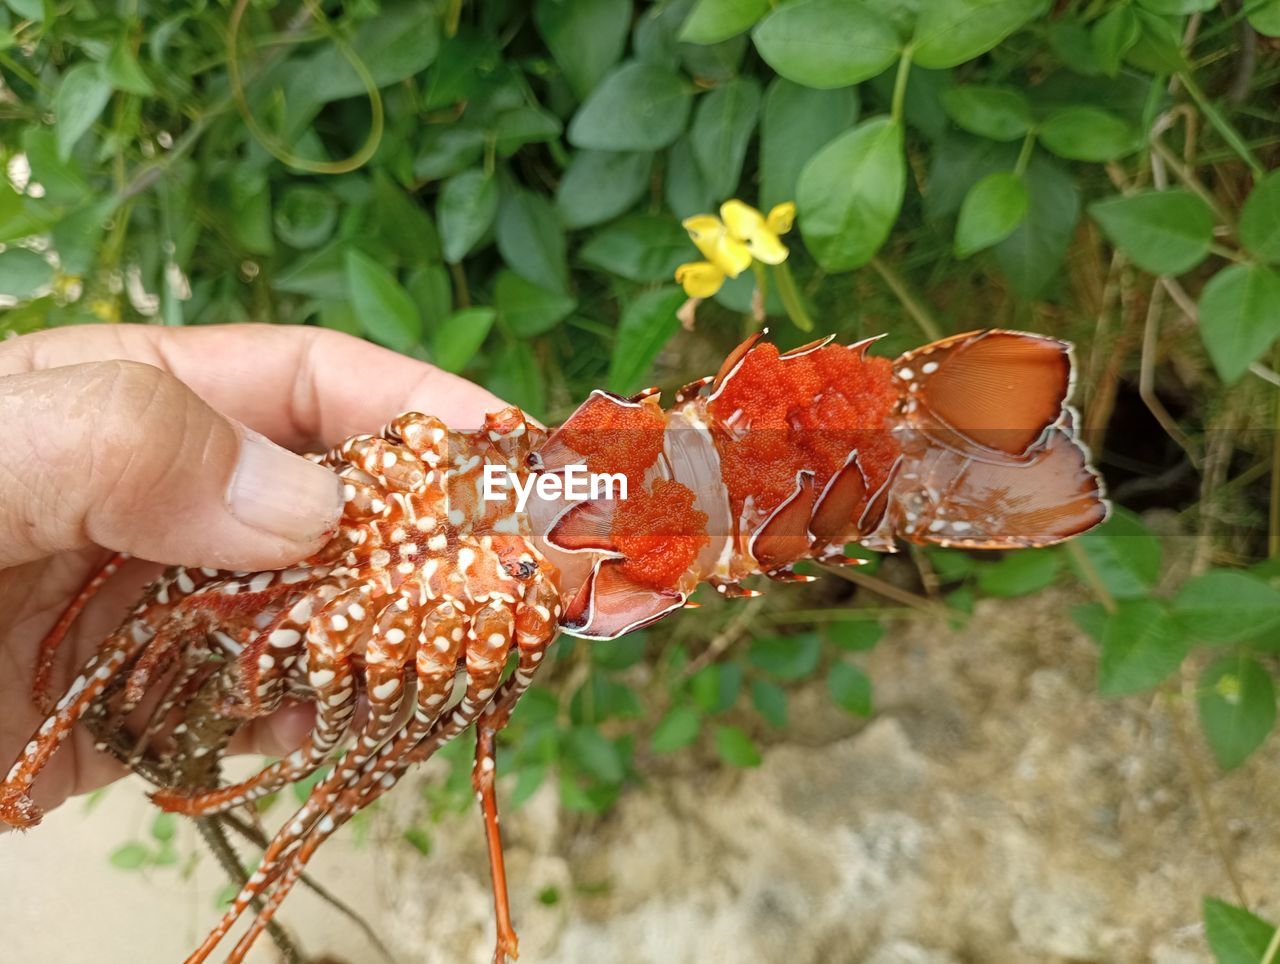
<point>1221,124</point>
<point>1024,155</point>
<point>915,309</point>
<point>790,295</point>
<point>900,84</point>
<point>1273,528</point>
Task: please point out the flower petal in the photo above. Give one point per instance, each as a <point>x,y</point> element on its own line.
<point>781,217</point>
<point>741,219</point>
<point>700,279</point>
<point>731,256</point>
<point>705,230</point>
<point>766,247</point>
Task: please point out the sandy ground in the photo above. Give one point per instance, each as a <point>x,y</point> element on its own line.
<point>995,809</point>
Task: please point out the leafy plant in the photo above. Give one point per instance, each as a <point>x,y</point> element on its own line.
<point>500,188</point>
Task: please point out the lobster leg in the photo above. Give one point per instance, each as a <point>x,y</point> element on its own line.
<point>440,645</point>
<point>482,780</point>
<point>331,675</point>
<point>49,645</point>
<point>534,633</point>
<point>492,629</point>
<point>158,618</point>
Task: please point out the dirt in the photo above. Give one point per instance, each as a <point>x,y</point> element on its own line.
<point>994,809</point>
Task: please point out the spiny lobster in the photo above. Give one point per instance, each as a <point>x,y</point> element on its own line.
<point>428,587</point>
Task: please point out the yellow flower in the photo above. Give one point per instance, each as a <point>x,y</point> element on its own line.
<point>700,279</point>
<point>758,233</point>
<point>716,244</point>
<point>731,242</point>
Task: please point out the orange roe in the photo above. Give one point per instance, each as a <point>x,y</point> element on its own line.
<point>807,412</point>
<point>660,533</point>
<point>617,438</point>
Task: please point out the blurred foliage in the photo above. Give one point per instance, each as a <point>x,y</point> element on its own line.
<point>498,187</point>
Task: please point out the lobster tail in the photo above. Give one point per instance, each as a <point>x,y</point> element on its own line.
<point>990,455</point>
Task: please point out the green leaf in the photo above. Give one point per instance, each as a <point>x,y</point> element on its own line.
<point>1141,646</point>
<point>1164,232</point>
<point>466,209</point>
<point>305,216</point>
<point>524,125</point>
<point>715,20</point>
<point>855,635</point>
<point>736,748</point>
<point>394,45</point>
<point>786,657</point>
<point>62,180</point>
<point>715,688</point>
<point>530,239</point>
<point>164,826</point>
<point>998,113</point>
<point>432,291</point>
<point>1124,554</point>
<point>1177,8</point>
<point>1159,46</point>
<point>642,248</point>
<point>647,324</point>
<point>419,839</point>
<point>250,211</point>
<point>527,308</point>
<point>78,101</point>
<point>949,32</point>
<point>403,222</point>
<point>385,310</point>
<point>1088,134</point>
<point>638,107</point>
<point>722,128</point>
<point>1264,17</point>
<point>1226,605</point>
<point>518,378</point>
<point>600,185</point>
<point>123,72</point>
<point>1114,34</point>
<point>586,37</point>
<point>677,729</point>
<point>850,688</point>
<point>826,43</point>
<point>130,856</point>
<point>1239,317</point>
<point>796,122</point>
<point>1237,703</point>
<point>992,210</point>
<point>1235,936</point>
<point>850,192</point>
<point>458,337</point>
<point>1260,219</point>
<point>1032,256</point>
<point>620,654</point>
<point>770,702</point>
<point>686,190</point>
<point>595,754</point>
<point>78,236</point>
<point>23,272</point>
<point>1019,573</point>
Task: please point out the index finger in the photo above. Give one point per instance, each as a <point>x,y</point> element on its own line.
<point>298,385</point>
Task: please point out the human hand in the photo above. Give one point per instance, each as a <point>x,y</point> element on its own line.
<point>144,440</point>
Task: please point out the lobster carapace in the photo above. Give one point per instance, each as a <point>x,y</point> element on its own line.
<point>439,575</point>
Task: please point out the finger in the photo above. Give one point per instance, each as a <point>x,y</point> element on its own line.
<point>125,456</point>
<point>298,385</point>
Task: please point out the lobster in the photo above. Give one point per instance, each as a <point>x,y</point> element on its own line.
<point>439,577</point>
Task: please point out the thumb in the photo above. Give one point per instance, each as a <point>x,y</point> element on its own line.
<point>122,455</point>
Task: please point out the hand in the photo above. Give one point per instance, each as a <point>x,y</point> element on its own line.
<point>145,440</point>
